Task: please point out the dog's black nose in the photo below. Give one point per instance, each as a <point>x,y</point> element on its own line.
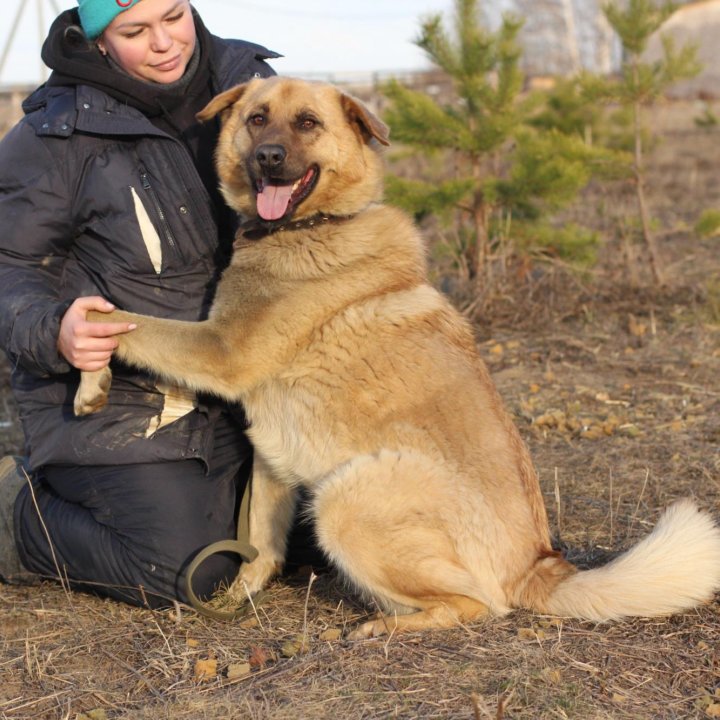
<point>270,157</point>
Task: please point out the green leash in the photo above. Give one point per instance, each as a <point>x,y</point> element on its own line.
<point>239,546</point>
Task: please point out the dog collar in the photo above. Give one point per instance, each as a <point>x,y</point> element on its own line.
<point>256,229</point>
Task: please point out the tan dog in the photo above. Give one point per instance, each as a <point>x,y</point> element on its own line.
<point>363,384</point>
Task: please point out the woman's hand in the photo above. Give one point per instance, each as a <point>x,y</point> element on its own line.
<point>89,345</point>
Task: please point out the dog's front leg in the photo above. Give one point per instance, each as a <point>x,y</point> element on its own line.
<point>194,354</point>
<point>272,509</point>
<point>189,353</point>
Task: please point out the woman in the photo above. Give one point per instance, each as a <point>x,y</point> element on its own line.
<point>108,193</point>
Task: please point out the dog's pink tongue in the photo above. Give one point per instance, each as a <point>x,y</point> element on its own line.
<point>273,201</point>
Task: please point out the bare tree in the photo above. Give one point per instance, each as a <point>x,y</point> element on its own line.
<point>600,45</point>
<point>571,35</point>
<point>606,42</point>
<point>560,37</point>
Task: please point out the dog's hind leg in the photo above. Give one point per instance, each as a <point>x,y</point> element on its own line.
<point>272,508</point>
<point>447,613</point>
<point>381,521</point>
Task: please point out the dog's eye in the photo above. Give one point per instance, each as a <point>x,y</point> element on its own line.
<point>307,123</point>
<point>257,120</point>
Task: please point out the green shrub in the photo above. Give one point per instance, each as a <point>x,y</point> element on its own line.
<point>575,245</point>
<point>708,225</point>
<point>708,119</point>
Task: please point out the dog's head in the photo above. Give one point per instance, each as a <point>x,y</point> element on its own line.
<point>294,149</point>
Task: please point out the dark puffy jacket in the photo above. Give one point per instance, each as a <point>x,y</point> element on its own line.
<point>96,200</point>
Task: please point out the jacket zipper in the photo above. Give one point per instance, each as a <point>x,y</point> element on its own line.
<point>164,224</point>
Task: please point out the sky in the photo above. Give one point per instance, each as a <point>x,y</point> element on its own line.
<point>317,37</point>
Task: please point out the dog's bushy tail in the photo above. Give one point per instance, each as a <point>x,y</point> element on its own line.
<point>676,567</point>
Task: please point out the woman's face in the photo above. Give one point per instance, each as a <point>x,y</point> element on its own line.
<point>153,40</point>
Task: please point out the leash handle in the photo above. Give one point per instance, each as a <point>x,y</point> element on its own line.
<point>240,547</point>
<point>247,552</point>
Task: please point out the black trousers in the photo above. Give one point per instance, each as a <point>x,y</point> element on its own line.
<point>129,531</point>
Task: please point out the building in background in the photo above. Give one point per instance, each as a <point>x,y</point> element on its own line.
<point>561,37</point>
<point>699,23</point>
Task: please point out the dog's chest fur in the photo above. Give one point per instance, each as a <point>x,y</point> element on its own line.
<point>290,431</point>
<point>350,387</point>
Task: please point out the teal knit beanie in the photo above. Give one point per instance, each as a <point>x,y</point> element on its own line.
<point>96,15</point>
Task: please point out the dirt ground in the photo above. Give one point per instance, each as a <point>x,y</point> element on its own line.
<point>617,392</point>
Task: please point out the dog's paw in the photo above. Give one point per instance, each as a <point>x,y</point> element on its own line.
<point>92,393</point>
<point>254,576</point>
<point>86,405</point>
<point>372,628</point>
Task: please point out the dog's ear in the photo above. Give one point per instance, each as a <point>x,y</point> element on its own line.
<point>370,126</point>
<point>220,103</point>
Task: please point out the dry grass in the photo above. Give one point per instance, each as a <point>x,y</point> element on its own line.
<point>61,660</point>
<point>618,396</point>
<point>65,654</point>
